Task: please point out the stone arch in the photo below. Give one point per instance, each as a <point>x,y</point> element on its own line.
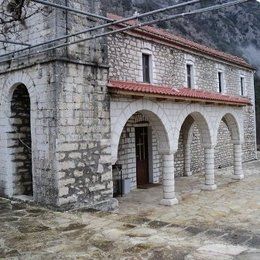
<point>156,116</point>
<point>234,126</point>
<point>11,83</point>
<point>188,118</point>
<point>187,127</point>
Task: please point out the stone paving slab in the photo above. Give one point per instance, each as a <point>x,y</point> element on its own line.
<point>223,224</point>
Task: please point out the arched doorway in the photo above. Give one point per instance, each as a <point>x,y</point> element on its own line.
<point>20,142</point>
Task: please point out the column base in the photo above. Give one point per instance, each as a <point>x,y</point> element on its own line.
<point>238,177</point>
<point>209,187</point>
<point>188,174</point>
<point>169,202</point>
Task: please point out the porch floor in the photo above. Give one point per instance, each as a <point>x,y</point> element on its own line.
<point>147,201</point>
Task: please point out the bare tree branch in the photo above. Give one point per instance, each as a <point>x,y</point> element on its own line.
<point>14,13</point>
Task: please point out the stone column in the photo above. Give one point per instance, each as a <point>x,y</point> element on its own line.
<point>187,160</point>
<point>209,169</point>
<point>169,197</point>
<point>238,170</point>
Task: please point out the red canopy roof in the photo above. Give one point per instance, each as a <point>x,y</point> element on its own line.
<point>144,89</point>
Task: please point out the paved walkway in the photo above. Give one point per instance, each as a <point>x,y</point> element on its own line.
<point>221,224</point>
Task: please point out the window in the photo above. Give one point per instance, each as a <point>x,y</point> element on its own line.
<point>242,86</point>
<point>220,82</point>
<point>146,68</point>
<point>189,69</point>
<point>190,73</point>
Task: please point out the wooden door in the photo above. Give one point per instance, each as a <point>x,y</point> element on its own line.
<point>141,144</point>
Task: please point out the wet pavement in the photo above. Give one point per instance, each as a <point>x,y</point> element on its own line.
<point>220,224</point>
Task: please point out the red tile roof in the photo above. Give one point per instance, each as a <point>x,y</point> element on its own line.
<point>165,37</point>
<point>144,89</point>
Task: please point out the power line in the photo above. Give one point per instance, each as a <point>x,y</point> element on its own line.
<point>73,10</point>
<point>124,20</point>
<point>139,25</point>
<point>201,10</point>
<point>15,43</point>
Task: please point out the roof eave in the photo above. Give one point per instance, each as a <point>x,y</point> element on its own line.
<point>117,91</point>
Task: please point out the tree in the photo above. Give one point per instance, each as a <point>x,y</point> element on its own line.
<point>12,13</point>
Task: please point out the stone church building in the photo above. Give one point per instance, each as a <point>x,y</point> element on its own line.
<point>143,105</point>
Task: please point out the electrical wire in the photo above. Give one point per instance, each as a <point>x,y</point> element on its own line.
<point>72,10</point>
<point>102,26</point>
<point>136,26</point>
<point>16,43</point>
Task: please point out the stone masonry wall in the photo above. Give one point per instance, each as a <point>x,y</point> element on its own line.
<point>168,68</point>
<point>39,26</point>
<point>197,152</point>
<point>91,51</point>
<point>83,136</point>
<point>40,84</point>
<point>70,110</point>
<point>224,147</point>
<point>179,157</point>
